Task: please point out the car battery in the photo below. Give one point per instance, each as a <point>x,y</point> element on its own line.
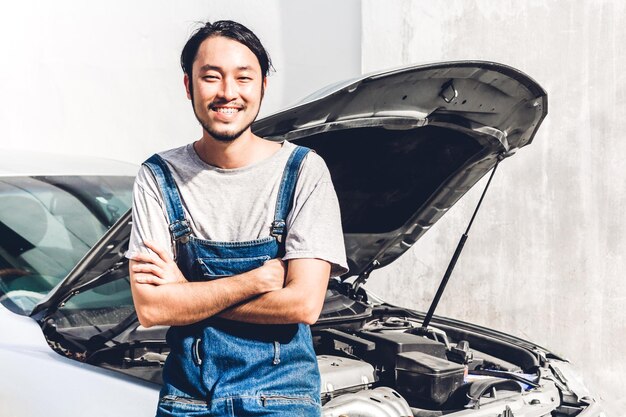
<point>343,375</point>
<point>427,380</point>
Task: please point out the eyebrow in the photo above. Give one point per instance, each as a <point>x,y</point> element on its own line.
<point>209,67</point>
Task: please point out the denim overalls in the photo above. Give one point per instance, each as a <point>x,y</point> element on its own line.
<point>220,367</point>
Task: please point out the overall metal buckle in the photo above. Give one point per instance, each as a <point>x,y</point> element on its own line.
<point>278,230</point>
<point>180,230</point>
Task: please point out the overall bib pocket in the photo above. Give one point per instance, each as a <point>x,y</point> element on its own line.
<point>213,268</point>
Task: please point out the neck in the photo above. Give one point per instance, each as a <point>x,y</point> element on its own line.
<point>245,150</point>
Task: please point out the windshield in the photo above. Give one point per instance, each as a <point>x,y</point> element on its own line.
<point>47,224</point>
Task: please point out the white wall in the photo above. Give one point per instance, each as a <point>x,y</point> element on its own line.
<point>545,259</point>
<point>103,77</point>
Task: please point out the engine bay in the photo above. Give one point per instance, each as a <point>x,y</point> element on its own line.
<point>426,373</point>
<point>374,360</point>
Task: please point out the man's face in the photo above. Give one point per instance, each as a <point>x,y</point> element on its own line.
<point>227,87</point>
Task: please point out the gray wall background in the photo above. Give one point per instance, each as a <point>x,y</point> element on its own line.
<point>545,258</point>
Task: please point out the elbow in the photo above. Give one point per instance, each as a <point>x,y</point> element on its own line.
<point>145,322</point>
<point>147,306</point>
<point>145,317</point>
<point>149,315</point>
<point>309,320</point>
<point>309,314</point>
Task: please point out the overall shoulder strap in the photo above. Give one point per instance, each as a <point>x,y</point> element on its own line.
<point>178,225</point>
<point>286,192</point>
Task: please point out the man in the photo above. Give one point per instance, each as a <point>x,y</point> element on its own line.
<point>234,240</point>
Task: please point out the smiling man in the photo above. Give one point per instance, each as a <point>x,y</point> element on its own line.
<point>234,239</point>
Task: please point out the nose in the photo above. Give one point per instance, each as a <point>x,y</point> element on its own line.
<point>228,90</point>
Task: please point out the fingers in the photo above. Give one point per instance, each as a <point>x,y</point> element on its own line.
<point>163,255</point>
<point>273,274</point>
<point>275,263</point>
<point>148,268</point>
<point>148,259</point>
<point>149,279</point>
<point>160,260</point>
<point>166,270</point>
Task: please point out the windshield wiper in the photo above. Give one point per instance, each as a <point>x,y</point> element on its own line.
<point>101,340</point>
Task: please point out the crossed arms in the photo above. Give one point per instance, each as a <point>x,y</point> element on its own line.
<point>275,293</point>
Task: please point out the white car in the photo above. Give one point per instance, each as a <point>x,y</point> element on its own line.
<point>402,147</point>
<point>53,209</point>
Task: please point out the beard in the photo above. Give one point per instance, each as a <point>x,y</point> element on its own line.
<point>227,136</point>
<point>224,136</point>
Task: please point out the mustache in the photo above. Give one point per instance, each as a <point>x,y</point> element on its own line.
<point>221,103</point>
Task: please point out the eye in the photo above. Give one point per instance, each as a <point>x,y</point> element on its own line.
<point>210,77</point>
<point>244,78</point>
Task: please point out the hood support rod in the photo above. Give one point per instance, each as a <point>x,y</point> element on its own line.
<point>455,258</point>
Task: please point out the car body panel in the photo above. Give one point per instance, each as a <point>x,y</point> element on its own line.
<point>43,374</point>
<point>33,163</point>
<point>491,98</point>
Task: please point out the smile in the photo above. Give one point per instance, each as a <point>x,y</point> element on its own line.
<point>226,109</point>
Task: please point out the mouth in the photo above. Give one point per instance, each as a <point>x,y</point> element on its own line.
<point>226,110</point>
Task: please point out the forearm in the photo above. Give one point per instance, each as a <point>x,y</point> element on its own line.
<point>179,304</point>
<point>162,294</point>
<point>300,301</point>
<point>284,306</point>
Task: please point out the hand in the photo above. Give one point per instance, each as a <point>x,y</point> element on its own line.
<point>271,275</point>
<point>157,270</point>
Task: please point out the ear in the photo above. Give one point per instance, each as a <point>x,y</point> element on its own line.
<point>186,80</point>
<point>263,86</point>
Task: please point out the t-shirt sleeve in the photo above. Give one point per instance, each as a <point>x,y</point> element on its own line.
<point>149,218</point>
<point>314,224</point>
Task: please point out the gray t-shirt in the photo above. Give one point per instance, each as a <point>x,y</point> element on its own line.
<point>238,205</point>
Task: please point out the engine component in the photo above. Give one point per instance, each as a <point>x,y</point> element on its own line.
<point>390,344</point>
<point>343,375</point>
<point>425,379</point>
<point>495,387</point>
<point>333,339</point>
<point>342,311</point>
<point>379,402</point>
<point>461,353</point>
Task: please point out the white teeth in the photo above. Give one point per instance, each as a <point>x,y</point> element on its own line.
<point>228,110</point>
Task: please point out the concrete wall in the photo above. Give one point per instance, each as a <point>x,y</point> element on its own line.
<point>546,256</point>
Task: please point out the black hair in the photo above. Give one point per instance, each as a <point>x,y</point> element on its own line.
<point>227,29</point>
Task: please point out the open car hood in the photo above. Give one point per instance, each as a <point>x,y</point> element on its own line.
<point>402,147</point>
